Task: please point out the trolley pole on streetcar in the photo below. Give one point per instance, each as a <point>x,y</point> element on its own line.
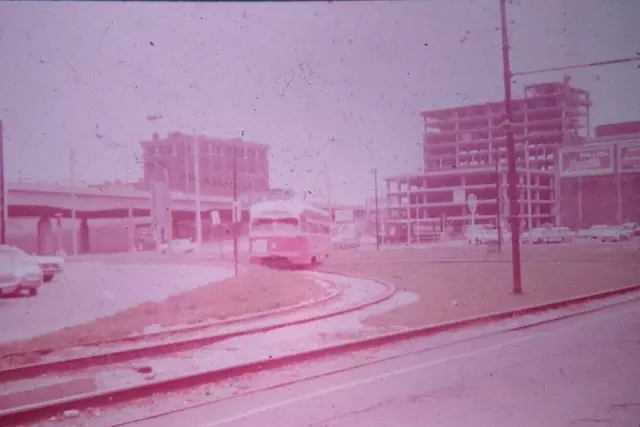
<point>235,212</point>
<point>511,155</point>
<point>375,189</point>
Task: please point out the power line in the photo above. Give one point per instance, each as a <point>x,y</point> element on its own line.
<point>572,67</point>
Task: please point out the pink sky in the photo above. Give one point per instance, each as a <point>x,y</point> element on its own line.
<point>343,82</point>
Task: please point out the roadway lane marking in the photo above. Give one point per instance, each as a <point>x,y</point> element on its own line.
<point>414,368</point>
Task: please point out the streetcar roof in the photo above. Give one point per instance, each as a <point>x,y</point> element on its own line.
<point>292,207</point>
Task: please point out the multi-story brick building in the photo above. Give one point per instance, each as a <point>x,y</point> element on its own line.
<point>465,153</point>
<point>172,159</point>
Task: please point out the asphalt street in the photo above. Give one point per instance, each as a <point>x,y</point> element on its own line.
<point>581,371</point>
<point>89,290</point>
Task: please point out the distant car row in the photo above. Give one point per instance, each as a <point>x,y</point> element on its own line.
<point>21,272</point>
<point>605,233</point>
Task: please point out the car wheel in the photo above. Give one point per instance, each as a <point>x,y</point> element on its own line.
<point>33,292</point>
<point>47,278</point>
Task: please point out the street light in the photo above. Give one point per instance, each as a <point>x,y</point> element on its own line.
<point>235,211</point>
<point>511,154</point>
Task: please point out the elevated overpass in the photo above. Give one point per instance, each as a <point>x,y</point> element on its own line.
<point>50,201</point>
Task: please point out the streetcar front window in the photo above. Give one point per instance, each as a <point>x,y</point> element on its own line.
<point>283,225</point>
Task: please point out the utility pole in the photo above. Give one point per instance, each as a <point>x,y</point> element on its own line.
<point>511,155</point>
<point>74,225</point>
<point>235,211</point>
<point>3,193</point>
<point>196,173</point>
<point>498,199</point>
<point>328,176</point>
<point>375,190</point>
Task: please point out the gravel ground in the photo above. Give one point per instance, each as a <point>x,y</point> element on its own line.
<point>455,283</point>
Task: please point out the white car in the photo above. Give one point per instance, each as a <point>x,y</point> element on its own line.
<point>179,246</point>
<point>593,232</point>
<point>633,227</point>
<point>18,272</point>
<point>607,233</point>
<point>49,265</point>
<point>346,236</point>
<point>616,234</point>
<point>563,234</point>
<point>475,234</point>
<point>535,235</point>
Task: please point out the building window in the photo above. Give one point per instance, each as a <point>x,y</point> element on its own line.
<point>228,151</point>
<point>262,154</point>
<point>251,153</point>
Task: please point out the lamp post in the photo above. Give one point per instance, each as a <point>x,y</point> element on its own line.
<point>512,175</point>
<point>235,213</point>
<point>74,225</point>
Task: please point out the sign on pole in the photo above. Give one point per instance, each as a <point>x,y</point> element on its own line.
<point>215,217</point>
<point>472,203</point>
<point>237,211</point>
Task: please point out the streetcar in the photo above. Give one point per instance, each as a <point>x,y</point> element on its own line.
<point>290,230</point>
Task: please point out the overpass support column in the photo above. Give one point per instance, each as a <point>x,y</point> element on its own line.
<point>131,228</point>
<point>175,228</point>
<point>85,246</point>
<point>45,244</point>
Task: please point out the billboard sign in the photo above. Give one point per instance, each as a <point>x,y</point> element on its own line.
<point>629,157</point>
<point>586,161</point>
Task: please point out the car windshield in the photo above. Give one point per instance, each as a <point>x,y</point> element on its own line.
<point>11,252</point>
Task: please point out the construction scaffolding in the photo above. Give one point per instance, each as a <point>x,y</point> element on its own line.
<point>465,152</point>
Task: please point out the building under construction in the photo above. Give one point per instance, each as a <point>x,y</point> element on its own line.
<point>465,153</point>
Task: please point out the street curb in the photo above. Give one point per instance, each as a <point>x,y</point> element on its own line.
<point>39,410</point>
<point>119,356</point>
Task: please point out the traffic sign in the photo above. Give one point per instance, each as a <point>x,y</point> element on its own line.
<point>472,203</point>
<point>215,217</point>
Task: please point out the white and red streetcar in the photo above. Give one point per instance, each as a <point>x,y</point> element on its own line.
<point>288,230</point>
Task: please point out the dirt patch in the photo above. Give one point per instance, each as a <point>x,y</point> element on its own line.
<point>255,290</point>
<point>463,282</point>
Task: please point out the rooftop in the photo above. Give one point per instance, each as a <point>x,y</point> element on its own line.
<point>179,136</point>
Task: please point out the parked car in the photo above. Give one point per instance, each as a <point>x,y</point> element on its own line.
<point>474,233</point>
<point>615,234</point>
<point>633,227</point>
<point>564,234</point>
<point>534,236</point>
<point>179,246</point>
<point>49,265</point>
<point>593,232</point>
<point>346,236</point>
<point>485,235</point>
<point>18,272</point>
